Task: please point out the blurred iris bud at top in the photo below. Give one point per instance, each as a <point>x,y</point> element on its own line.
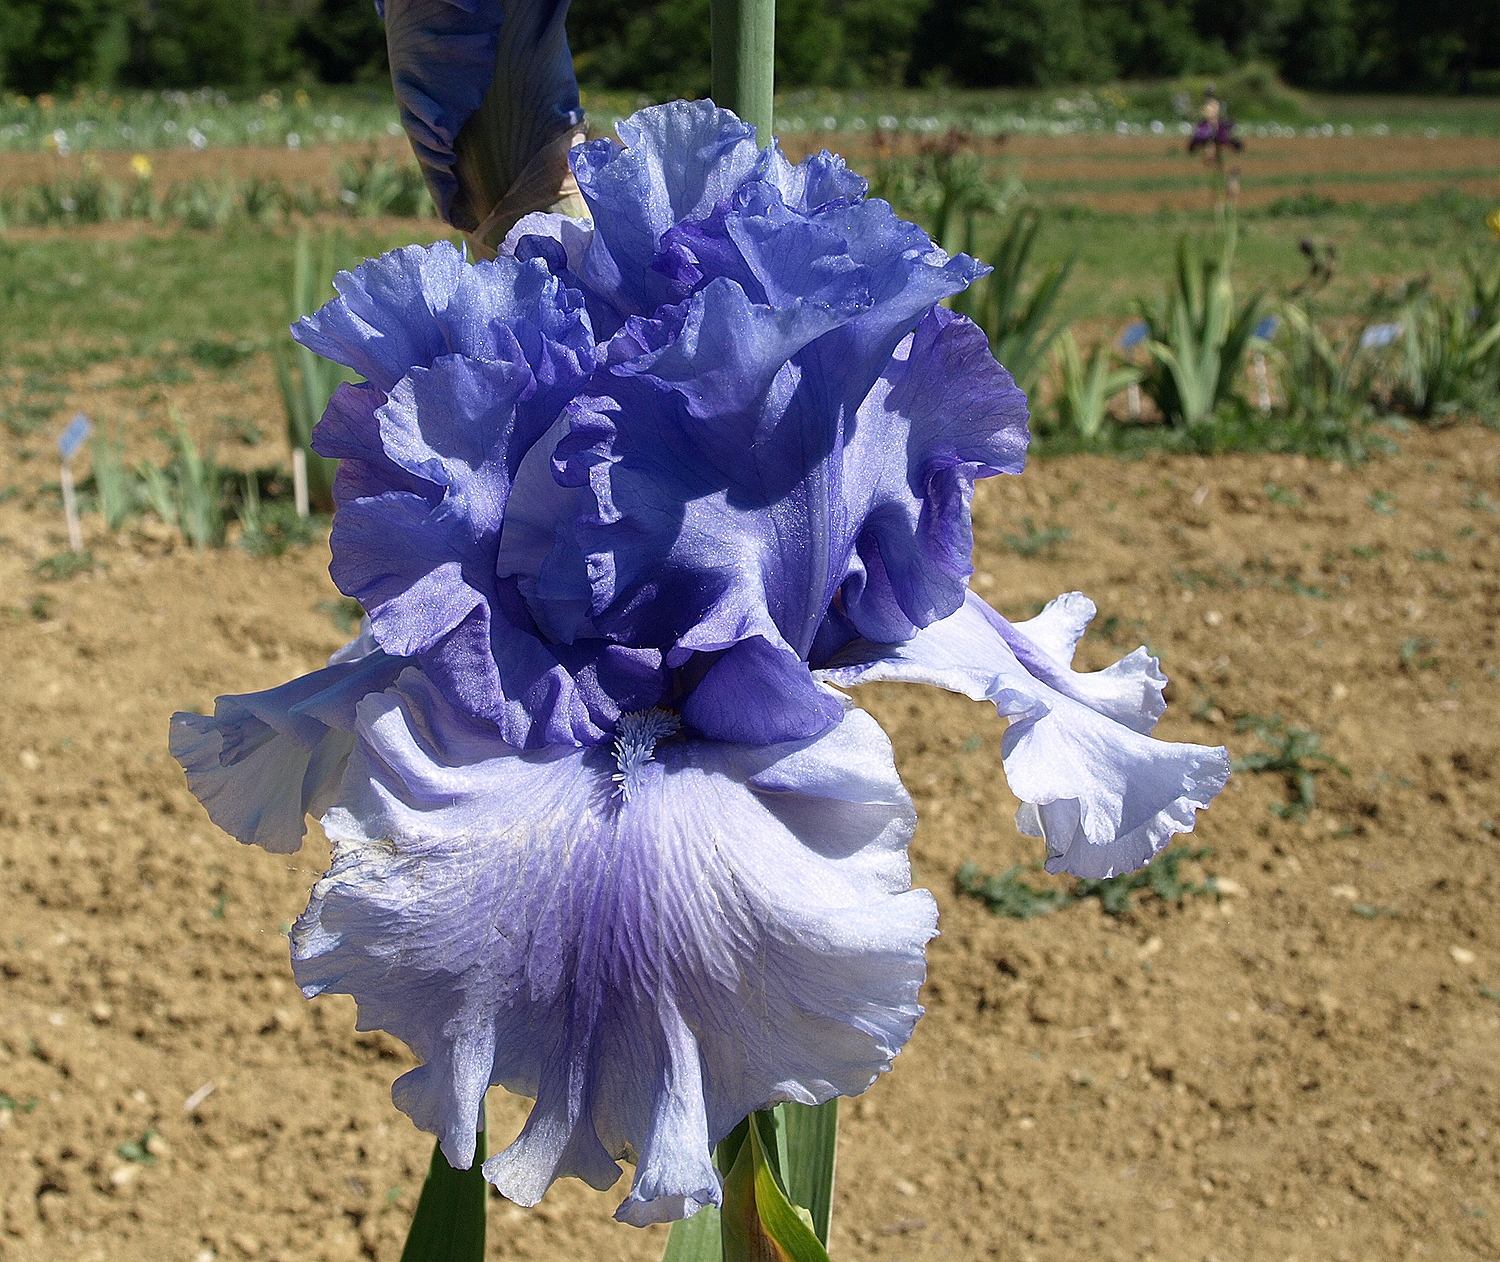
<point>489,100</point>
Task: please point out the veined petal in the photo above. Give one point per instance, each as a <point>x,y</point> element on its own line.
<point>1104,795</point>
<point>266,760</point>
<point>739,930</point>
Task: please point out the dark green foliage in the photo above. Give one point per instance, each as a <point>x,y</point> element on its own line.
<point>1008,895</point>
<point>661,46</point>
<point>1292,752</point>
<point>449,1223</point>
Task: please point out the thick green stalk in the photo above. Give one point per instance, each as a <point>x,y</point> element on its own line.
<point>744,59</point>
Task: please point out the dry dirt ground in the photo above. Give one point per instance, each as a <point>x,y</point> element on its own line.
<point>1302,1068</point>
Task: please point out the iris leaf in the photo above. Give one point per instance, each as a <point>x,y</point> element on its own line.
<point>792,1149</point>
<point>449,1223</point>
<point>759,1224</point>
<point>812,1136</point>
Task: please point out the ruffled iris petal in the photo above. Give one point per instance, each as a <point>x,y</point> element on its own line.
<point>728,512</point>
<point>739,931</point>
<point>406,308</point>
<point>1104,795</point>
<point>265,761</point>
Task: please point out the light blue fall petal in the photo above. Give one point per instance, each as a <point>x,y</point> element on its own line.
<point>264,761</point>
<point>1096,786</point>
<point>737,931</point>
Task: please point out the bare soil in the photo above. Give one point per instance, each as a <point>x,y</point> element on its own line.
<point>1302,1067</point>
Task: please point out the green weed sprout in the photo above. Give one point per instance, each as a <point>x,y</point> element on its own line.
<point>1034,542</point>
<point>1084,390</point>
<point>1008,895</point>
<point>1288,752</point>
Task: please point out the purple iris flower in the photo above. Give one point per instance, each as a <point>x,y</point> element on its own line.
<point>628,507</point>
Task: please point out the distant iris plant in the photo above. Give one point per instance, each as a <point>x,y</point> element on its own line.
<point>629,507</point>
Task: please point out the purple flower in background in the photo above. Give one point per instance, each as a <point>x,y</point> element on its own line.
<point>627,506</point>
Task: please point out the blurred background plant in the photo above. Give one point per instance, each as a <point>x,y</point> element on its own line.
<point>307,381</point>
<point>1198,338</point>
<point>1083,390</point>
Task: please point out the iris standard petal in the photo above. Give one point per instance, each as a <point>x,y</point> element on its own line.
<point>676,161</point>
<point>265,761</point>
<point>739,930</point>
<point>725,509</point>
<point>406,308</point>
<point>1104,795</point>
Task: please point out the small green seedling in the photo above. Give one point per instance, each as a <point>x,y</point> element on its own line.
<point>1034,542</point>
<point>1288,752</point>
<point>1008,895</point>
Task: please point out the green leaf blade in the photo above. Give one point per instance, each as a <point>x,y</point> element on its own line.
<point>812,1136</point>
<point>449,1223</point>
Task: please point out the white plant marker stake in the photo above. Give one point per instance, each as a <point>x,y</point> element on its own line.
<point>1133,398</point>
<point>299,481</point>
<point>1262,385</point>
<point>68,443</point>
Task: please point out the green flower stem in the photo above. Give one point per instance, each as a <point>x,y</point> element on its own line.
<point>743,34</point>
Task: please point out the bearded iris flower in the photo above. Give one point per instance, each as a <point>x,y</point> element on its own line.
<point>630,507</point>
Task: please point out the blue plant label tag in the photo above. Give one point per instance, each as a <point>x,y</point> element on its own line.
<point>72,438</point>
<point>1134,335</point>
<point>1266,329</point>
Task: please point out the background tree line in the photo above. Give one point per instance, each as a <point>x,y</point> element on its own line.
<point>661,46</point>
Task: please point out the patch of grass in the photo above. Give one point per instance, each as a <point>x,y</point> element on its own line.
<point>1370,912</point>
<point>1382,502</point>
<point>1366,551</point>
<point>222,354</point>
<point>138,1150</point>
<point>1292,752</point>
<point>1280,495</point>
<point>1008,895</point>
<point>1417,653</point>
<point>345,612</point>
<point>1035,542</point>
<point>65,565</point>
<point>1436,555</point>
